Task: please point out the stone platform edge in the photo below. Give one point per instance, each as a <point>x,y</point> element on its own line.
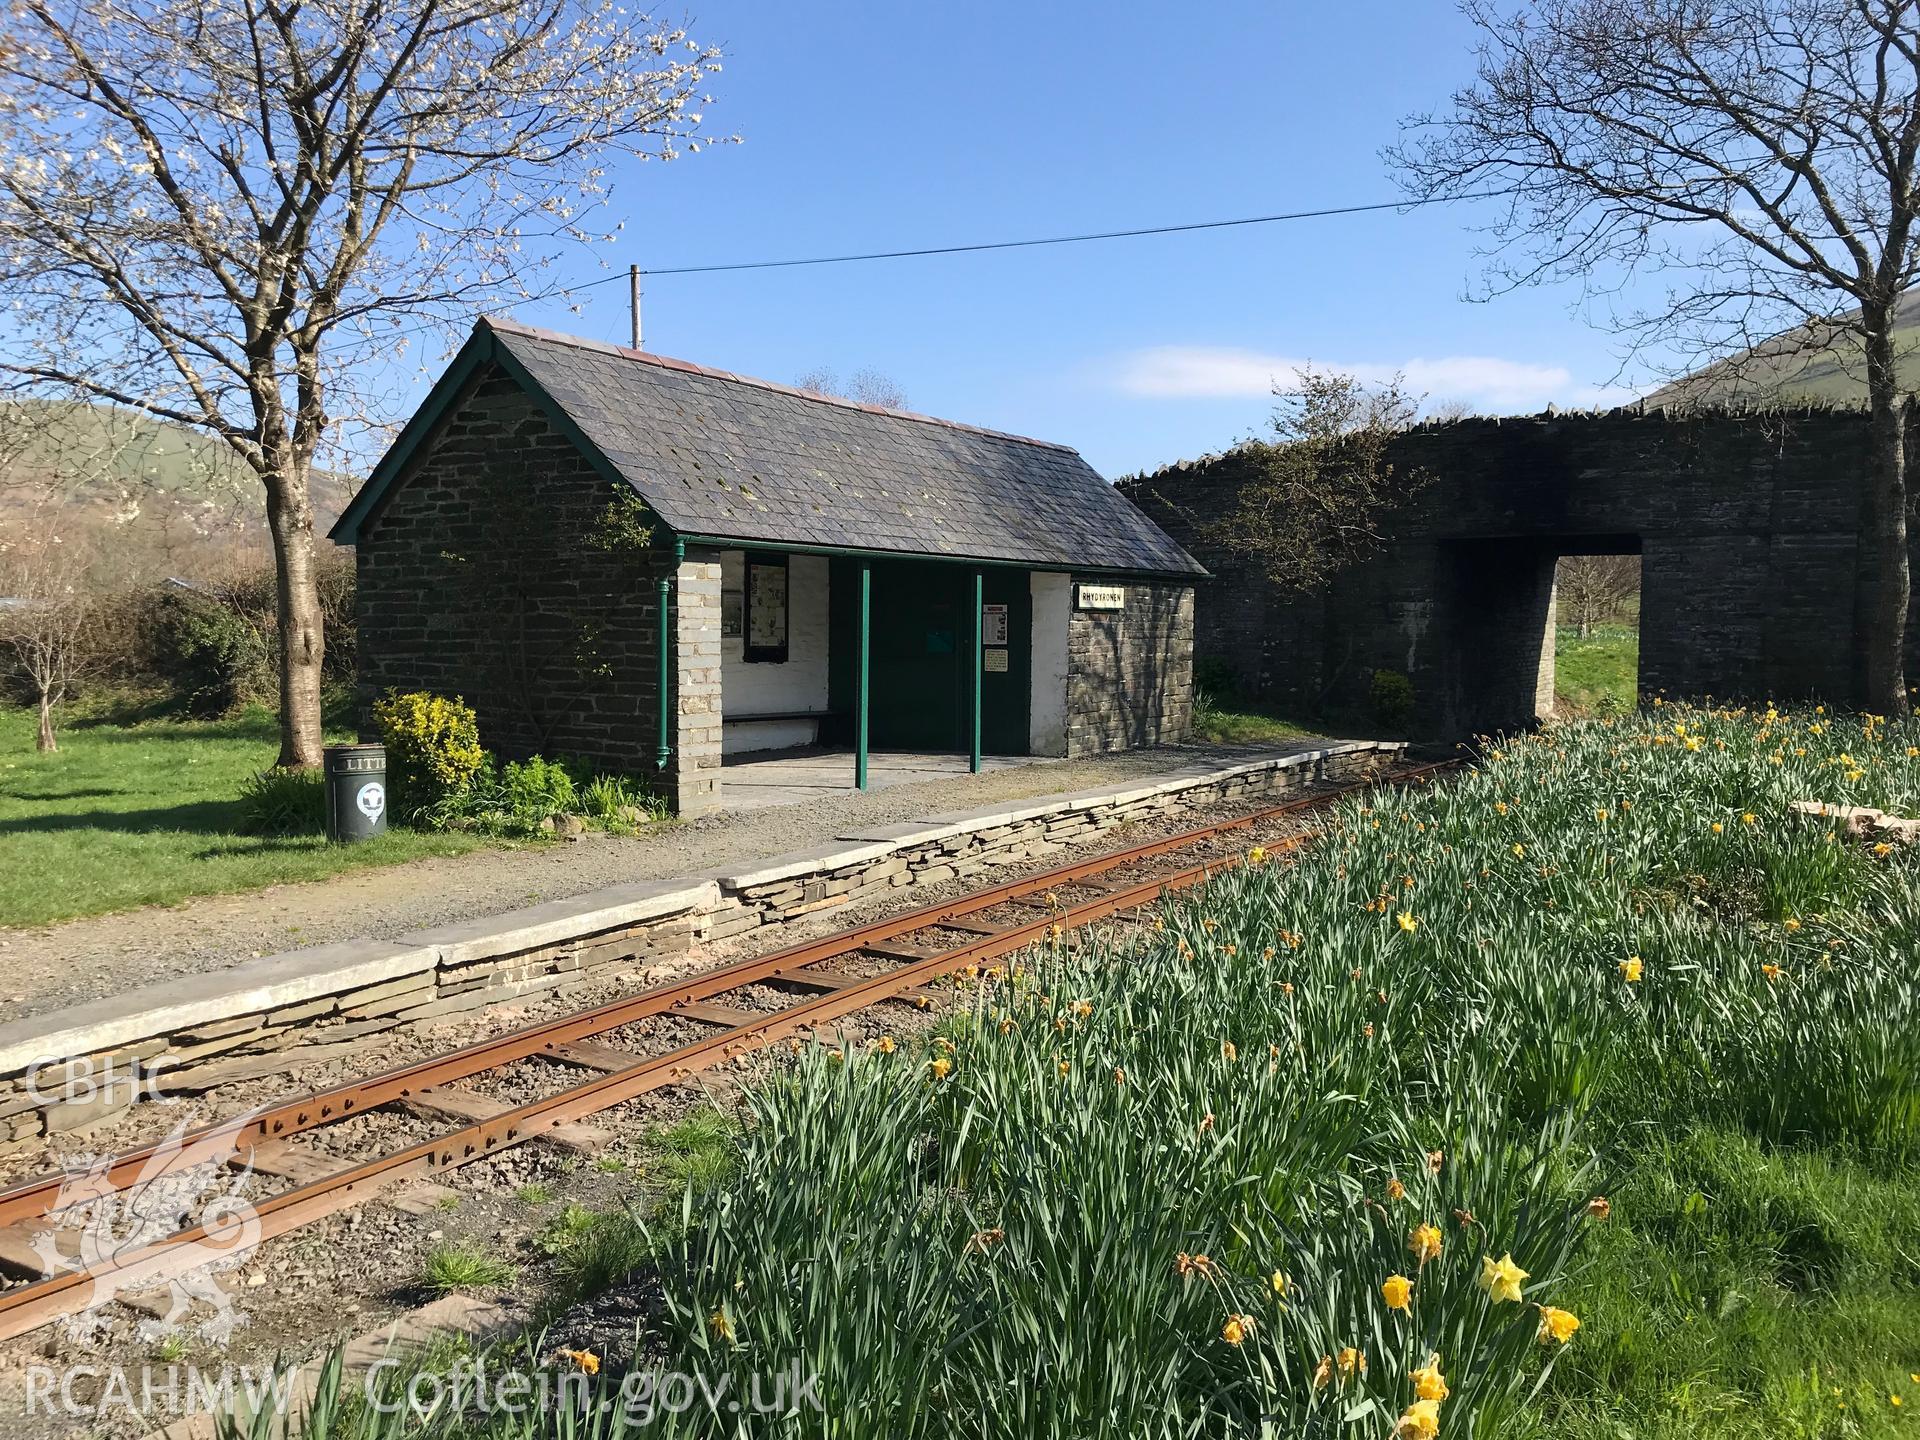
<point>68,1071</point>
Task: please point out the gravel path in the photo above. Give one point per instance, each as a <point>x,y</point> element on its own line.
<point>59,965</point>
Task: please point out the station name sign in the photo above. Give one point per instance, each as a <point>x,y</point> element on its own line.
<point>1100,597</point>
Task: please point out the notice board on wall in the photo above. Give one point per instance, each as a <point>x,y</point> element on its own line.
<point>993,624</point>
<point>767,609</point>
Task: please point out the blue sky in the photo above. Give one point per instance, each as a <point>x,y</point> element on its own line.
<point>886,126</point>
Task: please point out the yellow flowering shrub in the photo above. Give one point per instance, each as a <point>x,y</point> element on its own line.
<point>433,747</point>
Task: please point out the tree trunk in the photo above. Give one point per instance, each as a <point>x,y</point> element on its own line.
<point>297,603</point>
<point>46,743</point>
<point>1886,528</point>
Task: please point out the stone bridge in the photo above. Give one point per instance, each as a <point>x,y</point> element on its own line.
<point>1754,577</point>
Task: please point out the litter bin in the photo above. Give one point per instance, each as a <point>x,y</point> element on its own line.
<point>356,792</point>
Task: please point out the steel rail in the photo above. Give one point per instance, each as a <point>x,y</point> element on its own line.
<point>36,1304</point>
<point>35,1198</point>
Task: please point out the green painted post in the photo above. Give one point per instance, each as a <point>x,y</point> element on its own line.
<point>860,681</point>
<point>664,605</point>
<point>979,665</point>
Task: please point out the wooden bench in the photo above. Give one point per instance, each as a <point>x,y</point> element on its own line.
<point>820,719</point>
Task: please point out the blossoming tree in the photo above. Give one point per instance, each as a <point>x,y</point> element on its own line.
<point>234,214</point>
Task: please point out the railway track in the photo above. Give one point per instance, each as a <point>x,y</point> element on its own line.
<point>895,951</point>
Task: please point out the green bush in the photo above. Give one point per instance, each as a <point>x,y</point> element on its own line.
<point>433,752</point>
<point>284,802</point>
<point>536,789</point>
<point>211,653</point>
<point>216,644</point>
<point>1392,698</point>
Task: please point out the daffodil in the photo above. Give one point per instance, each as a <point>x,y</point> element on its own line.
<point>1501,1278</point>
<point>1557,1326</point>
<point>1350,1363</point>
<point>1772,972</point>
<point>1397,1291</point>
<point>1279,1283</point>
<point>1395,1190</point>
<point>721,1326</point>
<point>1420,1421</point>
<point>1429,1383</point>
<point>1407,922</point>
<point>1630,969</point>
<point>1237,1328</point>
<point>1425,1242</point>
<point>941,1067</point>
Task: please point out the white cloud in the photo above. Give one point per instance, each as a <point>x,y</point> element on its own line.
<point>1485,382</point>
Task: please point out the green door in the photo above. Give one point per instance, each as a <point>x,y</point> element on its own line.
<point>1006,692</point>
<point>921,638</point>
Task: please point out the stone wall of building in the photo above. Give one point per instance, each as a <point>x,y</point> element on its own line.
<point>694,769</point>
<point>490,572</point>
<point>1130,671</point>
<point>1748,528</point>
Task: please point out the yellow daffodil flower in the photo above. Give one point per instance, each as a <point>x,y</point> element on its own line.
<point>1420,1421</point>
<point>1429,1383</point>
<point>1501,1278</point>
<point>1557,1326</point>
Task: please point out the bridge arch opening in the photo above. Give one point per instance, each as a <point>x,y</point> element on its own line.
<point>1504,617</point>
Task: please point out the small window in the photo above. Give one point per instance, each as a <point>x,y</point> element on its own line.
<point>767,609</point>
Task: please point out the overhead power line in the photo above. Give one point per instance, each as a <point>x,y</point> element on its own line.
<point>977,247</point>
<point>1061,239</point>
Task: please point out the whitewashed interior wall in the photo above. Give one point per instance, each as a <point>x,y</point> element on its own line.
<point>761,688</point>
<point>1047,711</point>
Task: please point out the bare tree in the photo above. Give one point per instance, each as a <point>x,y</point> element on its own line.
<point>1591,589</point>
<point>220,211</point>
<point>46,609</point>
<point>1323,485</point>
<point>1760,153</point>
<point>869,387</point>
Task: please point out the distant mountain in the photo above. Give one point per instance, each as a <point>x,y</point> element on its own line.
<point>1790,368</point>
<point>163,491</point>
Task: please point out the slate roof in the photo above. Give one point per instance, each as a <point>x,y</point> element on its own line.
<point>730,457</point>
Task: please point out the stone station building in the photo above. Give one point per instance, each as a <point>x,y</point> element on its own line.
<point>831,574</point>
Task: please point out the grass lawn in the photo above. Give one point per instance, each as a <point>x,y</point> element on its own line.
<point>1236,725</point>
<point>1603,668</point>
<point>145,814</point>
<point>1576,1097</point>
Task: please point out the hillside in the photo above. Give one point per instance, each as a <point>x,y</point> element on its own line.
<point>1787,369</point>
<point>175,501</point>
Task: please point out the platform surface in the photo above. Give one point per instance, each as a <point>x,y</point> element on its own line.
<point>761,779</point>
